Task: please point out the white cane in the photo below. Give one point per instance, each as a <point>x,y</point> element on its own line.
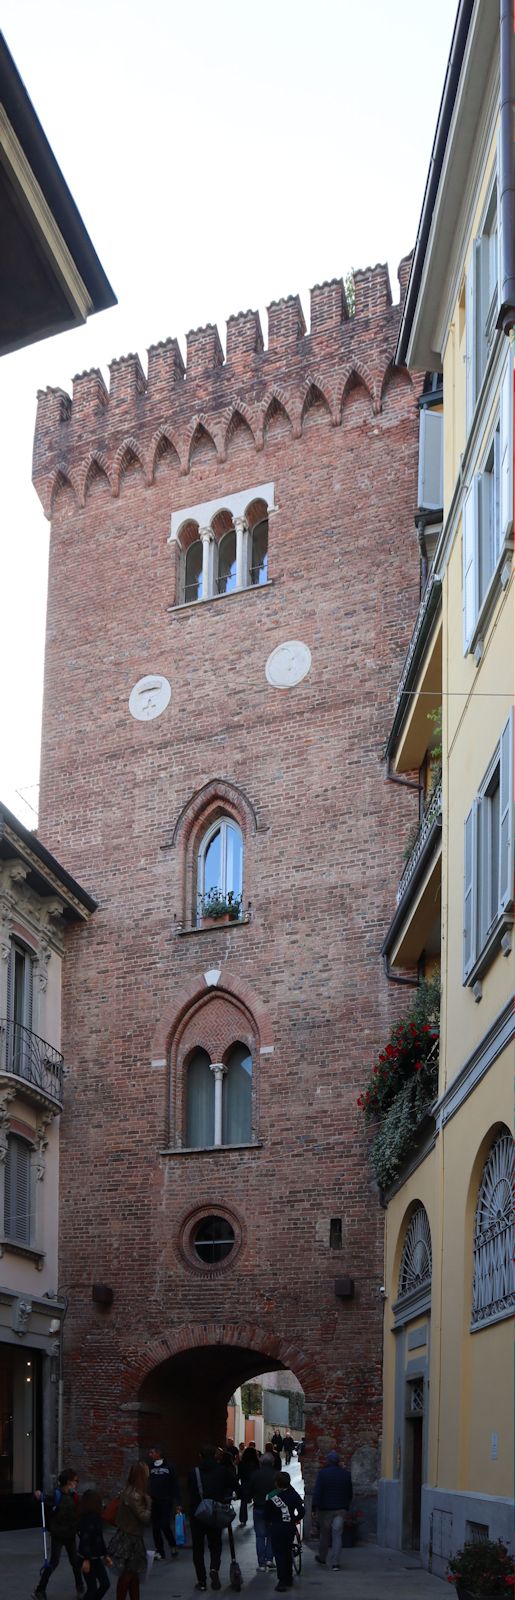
<point>43,1523</point>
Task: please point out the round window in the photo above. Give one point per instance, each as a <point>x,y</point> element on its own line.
<point>213,1240</point>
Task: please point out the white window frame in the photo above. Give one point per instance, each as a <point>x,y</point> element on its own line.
<point>221,825</point>
<point>482,930</point>
<point>490,493</point>
<point>203,516</point>
<point>482,292</point>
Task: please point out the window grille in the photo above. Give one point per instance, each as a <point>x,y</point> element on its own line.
<point>416,1397</point>
<point>416,1263</point>
<point>492,1294</point>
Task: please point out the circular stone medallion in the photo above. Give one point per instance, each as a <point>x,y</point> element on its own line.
<point>288,664</point>
<point>149,697</point>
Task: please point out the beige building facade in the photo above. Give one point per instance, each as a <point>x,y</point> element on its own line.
<point>447,1468</point>
<point>38,901</point>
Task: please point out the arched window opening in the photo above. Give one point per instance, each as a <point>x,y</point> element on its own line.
<point>416,1262</point>
<point>492,1293</point>
<point>200,1102</point>
<point>220,870</point>
<point>237,1097</point>
<point>226,581</point>
<point>259,553</point>
<point>193,572</point>
<point>17,1190</point>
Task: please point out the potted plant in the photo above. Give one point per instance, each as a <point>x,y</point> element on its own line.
<point>218,907</point>
<point>482,1570</point>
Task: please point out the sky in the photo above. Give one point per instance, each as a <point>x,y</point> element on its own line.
<point>222,154</point>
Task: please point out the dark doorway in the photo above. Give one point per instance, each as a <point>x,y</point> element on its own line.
<point>413,1443</point>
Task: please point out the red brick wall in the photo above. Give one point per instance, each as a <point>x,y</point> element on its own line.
<point>323,848</point>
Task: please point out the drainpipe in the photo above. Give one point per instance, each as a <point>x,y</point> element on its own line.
<point>398,977</point>
<point>506,318</point>
<point>60,1393</point>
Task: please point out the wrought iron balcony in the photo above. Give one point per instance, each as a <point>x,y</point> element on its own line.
<point>36,1065</point>
<point>430,823</point>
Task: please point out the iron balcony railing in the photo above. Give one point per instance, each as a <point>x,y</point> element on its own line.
<point>427,608</point>
<point>25,1056</point>
<point>431,815</point>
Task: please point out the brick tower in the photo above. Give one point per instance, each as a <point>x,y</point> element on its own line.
<point>233,578</point>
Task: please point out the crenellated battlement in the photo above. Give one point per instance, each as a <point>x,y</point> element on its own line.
<point>137,412</point>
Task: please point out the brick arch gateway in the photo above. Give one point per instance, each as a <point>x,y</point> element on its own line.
<point>178,1386</point>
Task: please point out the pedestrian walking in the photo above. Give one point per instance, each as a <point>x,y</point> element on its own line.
<point>332,1496</point>
<point>214,1479</point>
<point>288,1447</point>
<point>92,1550</point>
<point>271,1450</point>
<point>259,1485</point>
<point>163,1488</point>
<point>277,1440</point>
<point>248,1464</point>
<point>127,1547</point>
<point>61,1513</point>
<point>283,1508</point>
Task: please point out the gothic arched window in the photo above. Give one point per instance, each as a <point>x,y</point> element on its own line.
<point>220,869</point>
<point>193,572</point>
<point>259,553</point>
<point>416,1261</point>
<point>226,581</point>
<point>219,1099</point>
<point>492,1292</point>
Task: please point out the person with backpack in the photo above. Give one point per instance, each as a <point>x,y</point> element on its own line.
<point>258,1486</point>
<point>214,1479</point>
<point>283,1508</point>
<point>92,1549</point>
<point>61,1515</point>
<point>164,1494</point>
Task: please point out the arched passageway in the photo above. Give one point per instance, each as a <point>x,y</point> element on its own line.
<point>182,1403</point>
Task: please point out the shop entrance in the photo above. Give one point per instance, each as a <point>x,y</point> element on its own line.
<point>20,1434</point>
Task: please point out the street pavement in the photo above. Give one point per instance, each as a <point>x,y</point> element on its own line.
<point>367,1572</point>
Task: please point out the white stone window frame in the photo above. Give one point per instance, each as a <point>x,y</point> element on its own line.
<point>220,825</point>
<point>484,929</point>
<point>493,1244</point>
<point>204,514</point>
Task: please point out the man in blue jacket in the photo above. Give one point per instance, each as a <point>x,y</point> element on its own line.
<point>332,1496</point>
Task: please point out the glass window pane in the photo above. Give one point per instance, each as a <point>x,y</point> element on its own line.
<point>227,563</point>
<point>259,559</point>
<point>237,1098</point>
<point>213,863</point>
<point>200,1102</point>
<point>193,572</point>
<point>234,860</point>
<point>214,1239</point>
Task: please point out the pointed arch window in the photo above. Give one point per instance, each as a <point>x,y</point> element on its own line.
<point>492,1292</point>
<point>219,1099</point>
<point>220,869</point>
<point>223,544</point>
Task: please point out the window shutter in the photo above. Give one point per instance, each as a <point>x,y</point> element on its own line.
<point>470,524</point>
<point>506,465</point>
<point>17,1190</point>
<point>506,817</point>
<point>499,229</point>
<point>430,459</point>
<point>482,864</point>
<point>470,893</point>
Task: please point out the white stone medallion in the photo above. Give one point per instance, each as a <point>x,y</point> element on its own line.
<point>149,697</point>
<point>288,664</point>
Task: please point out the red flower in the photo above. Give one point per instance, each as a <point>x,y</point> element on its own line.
<point>419,1065</point>
<point>390,1050</point>
<point>376,1069</point>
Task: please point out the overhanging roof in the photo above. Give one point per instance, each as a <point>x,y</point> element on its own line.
<point>44,873</point>
<point>50,276</point>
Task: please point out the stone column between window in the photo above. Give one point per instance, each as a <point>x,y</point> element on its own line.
<point>208,544</point>
<point>242,552</point>
<point>219,1071</point>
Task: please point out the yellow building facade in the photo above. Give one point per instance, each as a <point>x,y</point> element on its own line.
<point>447,1466</point>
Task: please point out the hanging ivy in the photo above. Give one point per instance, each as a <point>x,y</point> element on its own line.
<point>403,1084</point>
